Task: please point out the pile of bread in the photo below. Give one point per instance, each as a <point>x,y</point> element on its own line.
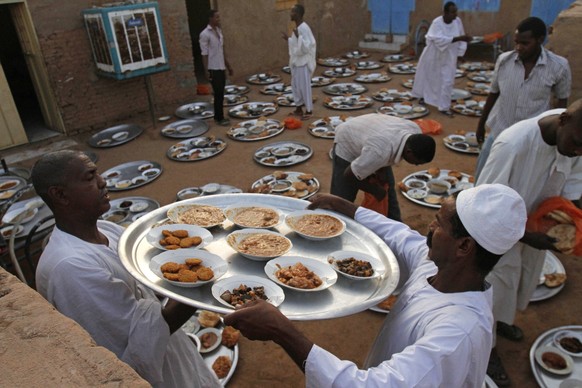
<point>564,231</point>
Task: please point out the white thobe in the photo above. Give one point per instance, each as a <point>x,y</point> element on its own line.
<point>87,283</point>
<point>435,73</point>
<point>522,160</point>
<point>302,52</point>
<point>429,339</point>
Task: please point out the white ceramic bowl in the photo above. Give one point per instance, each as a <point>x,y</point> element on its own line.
<point>218,266</point>
<point>155,234</point>
<point>233,211</point>
<point>215,344</point>
<point>327,275</point>
<point>438,186</point>
<point>120,135</point>
<point>196,341</point>
<point>273,292</point>
<point>567,334</point>
<point>236,238</point>
<point>293,218</point>
<point>377,264</point>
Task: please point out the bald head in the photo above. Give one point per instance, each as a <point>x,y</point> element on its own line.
<point>54,169</point>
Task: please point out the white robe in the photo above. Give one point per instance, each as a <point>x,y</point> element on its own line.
<point>88,283</point>
<point>435,73</point>
<point>429,339</point>
<point>521,160</point>
<point>302,52</point>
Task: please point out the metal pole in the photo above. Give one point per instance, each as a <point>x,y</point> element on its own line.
<point>151,99</point>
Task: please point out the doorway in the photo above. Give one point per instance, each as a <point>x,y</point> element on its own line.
<point>197,21</point>
<point>22,87</point>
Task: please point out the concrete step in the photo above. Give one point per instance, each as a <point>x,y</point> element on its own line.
<point>384,42</point>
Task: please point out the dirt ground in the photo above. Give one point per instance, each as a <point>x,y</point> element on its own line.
<point>350,338</point>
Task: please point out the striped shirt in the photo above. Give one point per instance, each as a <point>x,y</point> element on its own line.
<point>521,98</point>
<point>211,44</point>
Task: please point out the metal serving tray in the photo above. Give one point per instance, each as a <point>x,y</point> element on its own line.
<point>344,298</point>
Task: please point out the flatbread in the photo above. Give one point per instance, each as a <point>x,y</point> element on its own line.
<point>561,217</point>
<point>555,279</point>
<point>566,236</point>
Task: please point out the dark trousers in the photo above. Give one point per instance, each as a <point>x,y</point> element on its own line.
<point>341,187</point>
<point>218,82</point>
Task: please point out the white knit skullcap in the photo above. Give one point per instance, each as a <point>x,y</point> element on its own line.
<point>494,215</point>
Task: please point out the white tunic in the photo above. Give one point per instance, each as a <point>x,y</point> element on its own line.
<point>429,339</point>
<point>302,48</point>
<point>88,283</point>
<point>435,73</point>
<point>522,160</point>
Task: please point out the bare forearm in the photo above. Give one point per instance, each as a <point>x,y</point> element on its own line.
<point>176,314</point>
<point>295,344</point>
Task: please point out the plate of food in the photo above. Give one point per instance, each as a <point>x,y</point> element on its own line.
<point>396,58</point>
<point>348,102</point>
<point>256,129</point>
<point>343,89</point>
<point>183,129</point>
<point>408,83</point>
<point>287,99</point>
<point>476,66</point>
<point>188,267</point>
<point>404,110</point>
<point>236,89</point>
<point>283,153</point>
<point>552,279</point>
<point>234,99</point>
<point>127,176</point>
<point>321,81</point>
<point>356,265</point>
<point>569,342</point>
<point>332,62</point>
<point>470,107</point>
<point>254,216</point>
<point>195,110</point>
<point>240,289</point>
<point>301,273</point>
<point>462,143</point>
<point>478,88</point>
<point>125,210</point>
<point>373,77</point>
<point>403,68</point>
<point>386,305</point>
<point>339,72</point>
<point>253,110</point>
<point>115,136</point>
<point>206,216</point>
<point>481,76</point>
<point>392,95</point>
<point>196,148</point>
<point>259,244</point>
<point>263,79</point>
<point>436,184</point>
<point>325,127</point>
<point>10,230</point>
<point>553,360</point>
<point>356,54</point>
<point>367,65</point>
<point>302,185</point>
<point>315,225</point>
<point>276,89</point>
<point>179,236</point>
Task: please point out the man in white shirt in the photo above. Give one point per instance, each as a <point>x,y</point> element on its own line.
<point>538,158</point>
<point>524,82</point>
<point>80,273</point>
<point>435,73</point>
<point>215,62</point>
<point>365,149</point>
<point>439,331</point>
<point>302,49</point>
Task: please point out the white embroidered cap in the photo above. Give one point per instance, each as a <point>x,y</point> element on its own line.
<point>494,215</point>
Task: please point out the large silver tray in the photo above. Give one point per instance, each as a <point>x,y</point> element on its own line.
<point>195,110</point>
<point>184,129</point>
<point>345,88</point>
<point>108,137</point>
<point>546,379</point>
<point>344,298</point>
<point>283,153</point>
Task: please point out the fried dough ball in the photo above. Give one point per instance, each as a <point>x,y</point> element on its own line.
<point>171,240</point>
<point>208,318</point>
<point>170,267</point>
<point>230,336</point>
<point>305,177</point>
<point>192,262</point>
<point>180,233</point>
<point>205,273</point>
<point>455,174</point>
<point>221,366</point>
<point>402,186</point>
<point>172,247</point>
<point>280,175</point>
<point>434,171</point>
<point>172,276</point>
<point>185,275</point>
<point>166,233</point>
<point>300,185</point>
<point>190,242</point>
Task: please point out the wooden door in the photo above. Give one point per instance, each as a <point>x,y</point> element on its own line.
<point>11,130</point>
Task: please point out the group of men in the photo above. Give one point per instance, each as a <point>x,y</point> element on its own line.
<point>468,273</point>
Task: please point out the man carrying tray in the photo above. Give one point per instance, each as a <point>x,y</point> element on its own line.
<point>439,332</point>
<point>80,273</point>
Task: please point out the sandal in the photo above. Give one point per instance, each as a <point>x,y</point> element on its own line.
<point>511,332</point>
<point>306,116</point>
<point>496,371</point>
